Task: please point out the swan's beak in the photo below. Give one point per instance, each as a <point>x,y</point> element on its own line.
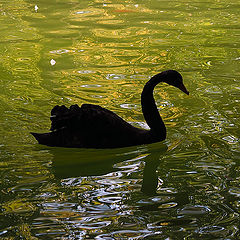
<point>183,88</point>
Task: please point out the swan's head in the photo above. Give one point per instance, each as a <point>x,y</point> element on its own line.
<point>174,78</point>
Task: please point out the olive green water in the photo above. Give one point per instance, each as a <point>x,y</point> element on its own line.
<point>102,52</point>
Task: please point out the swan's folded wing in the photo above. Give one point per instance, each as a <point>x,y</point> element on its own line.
<point>91,126</point>
<point>96,118</point>
<point>89,118</point>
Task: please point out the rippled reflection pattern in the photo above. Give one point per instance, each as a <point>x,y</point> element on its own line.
<point>102,52</point>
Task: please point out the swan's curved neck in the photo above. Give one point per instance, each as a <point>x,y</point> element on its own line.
<point>150,111</point>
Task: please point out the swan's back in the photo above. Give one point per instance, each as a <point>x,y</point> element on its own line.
<point>88,118</point>
<point>89,126</point>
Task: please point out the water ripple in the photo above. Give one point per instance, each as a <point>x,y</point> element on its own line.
<point>194,210</point>
<point>103,52</point>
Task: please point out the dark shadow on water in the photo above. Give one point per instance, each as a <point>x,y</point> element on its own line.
<point>69,163</point>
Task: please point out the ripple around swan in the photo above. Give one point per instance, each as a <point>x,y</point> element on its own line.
<point>194,210</point>
<point>213,231</point>
<point>125,234</point>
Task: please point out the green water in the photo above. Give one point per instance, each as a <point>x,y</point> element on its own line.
<point>102,52</point>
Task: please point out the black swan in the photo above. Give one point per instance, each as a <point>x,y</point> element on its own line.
<point>91,126</point>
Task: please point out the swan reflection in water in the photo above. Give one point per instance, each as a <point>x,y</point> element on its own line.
<point>71,167</point>
<point>97,162</point>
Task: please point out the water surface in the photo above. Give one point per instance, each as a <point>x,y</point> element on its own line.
<point>102,52</point>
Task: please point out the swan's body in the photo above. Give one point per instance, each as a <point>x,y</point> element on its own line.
<point>91,126</point>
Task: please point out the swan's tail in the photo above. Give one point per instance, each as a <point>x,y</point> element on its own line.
<point>59,138</point>
<point>43,138</point>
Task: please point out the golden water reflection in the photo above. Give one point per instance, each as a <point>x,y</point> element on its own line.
<point>71,52</point>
